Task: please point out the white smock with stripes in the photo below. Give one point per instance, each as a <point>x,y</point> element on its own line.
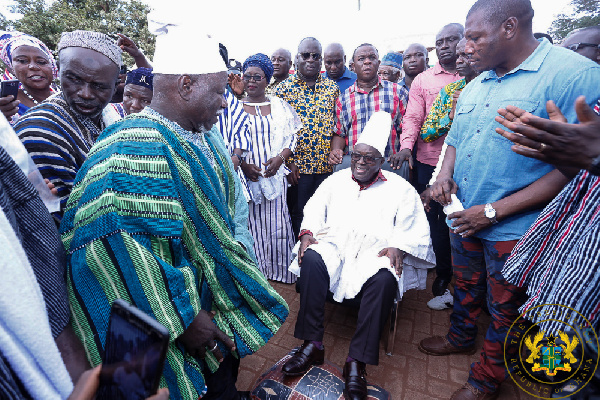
<point>269,218</point>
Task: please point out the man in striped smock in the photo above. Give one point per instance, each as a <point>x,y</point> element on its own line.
<point>161,222</point>
<point>60,132</point>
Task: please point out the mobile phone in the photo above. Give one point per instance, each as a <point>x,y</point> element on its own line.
<point>9,87</point>
<point>134,354</point>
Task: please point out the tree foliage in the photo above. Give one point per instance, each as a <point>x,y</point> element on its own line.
<point>47,22</point>
<point>585,13</point>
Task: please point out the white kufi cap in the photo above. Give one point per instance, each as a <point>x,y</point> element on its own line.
<point>181,48</point>
<point>377,131</point>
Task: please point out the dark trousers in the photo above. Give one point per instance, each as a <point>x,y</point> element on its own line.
<point>375,299</point>
<point>298,197</point>
<point>440,233</point>
<point>221,383</point>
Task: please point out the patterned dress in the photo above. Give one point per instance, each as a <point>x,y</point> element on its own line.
<point>269,219</point>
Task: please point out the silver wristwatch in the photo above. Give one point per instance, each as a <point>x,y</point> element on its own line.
<point>490,213</point>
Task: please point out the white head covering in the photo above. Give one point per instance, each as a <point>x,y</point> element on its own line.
<point>377,131</point>
<point>180,49</point>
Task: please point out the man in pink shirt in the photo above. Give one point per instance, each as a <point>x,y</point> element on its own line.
<point>423,91</point>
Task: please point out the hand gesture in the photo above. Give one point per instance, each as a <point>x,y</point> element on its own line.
<point>272,166</point>
<point>202,335</point>
<point>251,171</point>
<point>9,106</point>
<point>305,241</point>
<point>236,84</point>
<point>454,101</point>
<point>397,159</point>
<point>426,199</point>
<point>442,189</point>
<point>396,257</point>
<point>294,174</point>
<point>128,46</point>
<point>553,140</point>
<point>470,221</point>
<point>336,156</point>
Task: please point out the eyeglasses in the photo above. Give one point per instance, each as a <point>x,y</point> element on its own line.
<point>315,56</point>
<point>577,46</point>
<point>368,159</point>
<point>255,78</point>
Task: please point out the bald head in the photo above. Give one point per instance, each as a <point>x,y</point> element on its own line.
<point>415,59</point>
<point>282,63</point>
<point>495,12</point>
<point>309,41</point>
<point>582,41</point>
<point>335,61</point>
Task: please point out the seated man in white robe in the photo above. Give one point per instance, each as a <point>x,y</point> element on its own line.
<point>364,236</point>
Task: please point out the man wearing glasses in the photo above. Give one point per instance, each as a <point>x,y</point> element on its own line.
<point>353,248</point>
<point>313,97</point>
<point>585,41</point>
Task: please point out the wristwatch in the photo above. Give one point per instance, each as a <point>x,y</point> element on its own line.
<point>490,213</point>
<point>595,167</point>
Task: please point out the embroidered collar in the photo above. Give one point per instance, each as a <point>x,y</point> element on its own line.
<point>364,186</point>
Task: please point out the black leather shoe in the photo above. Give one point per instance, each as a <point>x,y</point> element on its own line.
<point>305,357</point>
<point>244,395</point>
<point>439,286</point>
<point>356,381</point>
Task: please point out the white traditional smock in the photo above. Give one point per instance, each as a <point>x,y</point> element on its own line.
<point>352,226</point>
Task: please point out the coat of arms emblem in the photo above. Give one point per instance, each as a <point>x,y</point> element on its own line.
<point>553,357</point>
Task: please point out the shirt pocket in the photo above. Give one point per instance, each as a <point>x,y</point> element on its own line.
<point>527,105</point>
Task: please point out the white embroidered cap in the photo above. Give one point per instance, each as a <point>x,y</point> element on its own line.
<point>377,131</point>
<point>181,49</point>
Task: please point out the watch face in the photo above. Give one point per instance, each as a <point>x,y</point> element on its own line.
<point>490,213</point>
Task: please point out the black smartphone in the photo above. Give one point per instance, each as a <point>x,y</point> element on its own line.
<point>9,88</point>
<point>134,354</point>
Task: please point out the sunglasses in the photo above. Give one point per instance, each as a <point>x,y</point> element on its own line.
<point>577,46</point>
<point>315,56</point>
<point>255,78</point>
<point>368,159</point>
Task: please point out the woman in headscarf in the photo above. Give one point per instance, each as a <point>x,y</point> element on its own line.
<point>274,125</point>
<point>31,62</point>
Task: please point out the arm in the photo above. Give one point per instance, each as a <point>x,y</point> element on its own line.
<point>570,147</point>
<point>444,185</point>
<point>536,195</point>
<point>338,139</point>
<point>129,46</point>
<point>412,121</point>
<point>396,159</point>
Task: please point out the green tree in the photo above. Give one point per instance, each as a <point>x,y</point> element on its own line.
<point>585,13</point>
<point>47,22</point>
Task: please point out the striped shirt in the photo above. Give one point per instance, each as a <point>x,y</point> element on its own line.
<point>354,108</point>
<point>233,125</point>
<point>58,140</point>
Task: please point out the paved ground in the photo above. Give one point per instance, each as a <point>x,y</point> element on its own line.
<point>407,374</point>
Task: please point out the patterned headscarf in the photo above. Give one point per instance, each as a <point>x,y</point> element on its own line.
<point>9,41</point>
<point>140,76</point>
<point>261,61</point>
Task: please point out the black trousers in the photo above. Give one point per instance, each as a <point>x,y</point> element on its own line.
<point>440,233</point>
<point>298,197</point>
<point>221,383</point>
<point>375,298</point>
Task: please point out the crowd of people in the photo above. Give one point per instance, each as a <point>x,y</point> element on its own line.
<point>185,185</point>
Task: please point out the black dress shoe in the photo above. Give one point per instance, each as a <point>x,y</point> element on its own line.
<point>356,381</point>
<point>305,357</point>
<point>244,395</point>
<point>439,286</point>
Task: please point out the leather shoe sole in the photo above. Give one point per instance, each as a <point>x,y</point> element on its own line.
<point>439,346</point>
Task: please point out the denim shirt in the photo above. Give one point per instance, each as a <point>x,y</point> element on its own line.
<point>486,169</point>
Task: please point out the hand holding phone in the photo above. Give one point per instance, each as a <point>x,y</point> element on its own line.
<point>202,336</point>
<point>134,354</point>
<point>9,105</point>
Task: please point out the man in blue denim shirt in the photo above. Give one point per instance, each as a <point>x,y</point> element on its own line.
<point>501,191</point>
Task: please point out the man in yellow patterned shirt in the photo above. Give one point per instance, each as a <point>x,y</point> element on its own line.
<point>313,97</point>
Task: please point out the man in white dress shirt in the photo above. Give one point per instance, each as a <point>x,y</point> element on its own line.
<point>364,237</point>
